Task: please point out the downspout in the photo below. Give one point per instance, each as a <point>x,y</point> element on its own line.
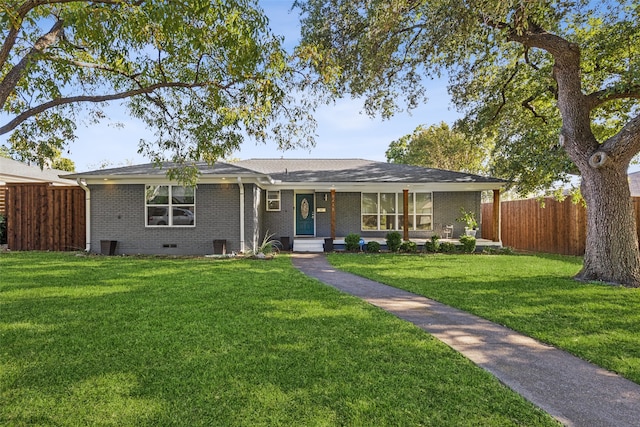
<point>241,185</point>
<point>87,206</point>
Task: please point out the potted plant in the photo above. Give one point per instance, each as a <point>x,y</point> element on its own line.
<point>470,221</point>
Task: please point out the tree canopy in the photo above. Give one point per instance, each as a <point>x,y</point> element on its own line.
<point>201,74</point>
<point>500,76</point>
<point>440,147</point>
<point>555,86</point>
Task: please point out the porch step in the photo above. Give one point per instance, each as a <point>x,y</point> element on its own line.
<point>308,245</point>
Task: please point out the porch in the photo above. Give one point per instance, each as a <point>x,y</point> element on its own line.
<point>316,244</point>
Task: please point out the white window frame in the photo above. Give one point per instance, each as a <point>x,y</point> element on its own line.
<point>170,206</point>
<point>397,213</point>
<point>277,199</point>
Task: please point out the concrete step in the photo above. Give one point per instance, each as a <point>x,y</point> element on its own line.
<point>308,245</point>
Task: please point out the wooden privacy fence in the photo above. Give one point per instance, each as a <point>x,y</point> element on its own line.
<point>41,216</point>
<point>558,227</point>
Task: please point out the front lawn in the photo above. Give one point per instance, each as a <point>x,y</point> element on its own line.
<point>204,342</point>
<point>533,294</point>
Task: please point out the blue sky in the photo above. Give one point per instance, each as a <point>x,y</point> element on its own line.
<point>344,131</point>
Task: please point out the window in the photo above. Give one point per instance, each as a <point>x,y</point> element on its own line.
<point>170,205</point>
<point>273,200</point>
<point>384,211</point>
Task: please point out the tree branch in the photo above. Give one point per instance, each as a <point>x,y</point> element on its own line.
<point>100,98</point>
<point>600,97</point>
<point>12,78</point>
<point>626,143</point>
<point>23,10</point>
<point>502,91</point>
<point>527,104</point>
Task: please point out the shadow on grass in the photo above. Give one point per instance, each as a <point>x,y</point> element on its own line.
<point>202,342</point>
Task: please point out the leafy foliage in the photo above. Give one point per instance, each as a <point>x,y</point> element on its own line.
<point>502,81</point>
<point>468,243</point>
<point>440,147</point>
<point>432,245</point>
<point>268,246</point>
<point>373,247</point>
<point>3,229</point>
<point>553,87</point>
<point>468,218</point>
<point>409,247</point>
<point>394,240</point>
<point>352,242</point>
<point>201,74</point>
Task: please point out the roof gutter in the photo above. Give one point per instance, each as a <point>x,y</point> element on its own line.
<point>87,205</point>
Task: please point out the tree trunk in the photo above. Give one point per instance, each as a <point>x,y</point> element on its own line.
<point>611,253</point>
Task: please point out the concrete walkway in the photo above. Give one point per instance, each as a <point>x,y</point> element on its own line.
<point>573,391</point>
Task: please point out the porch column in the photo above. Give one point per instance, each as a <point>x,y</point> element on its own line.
<point>333,213</point>
<point>405,214</point>
<point>496,216</point>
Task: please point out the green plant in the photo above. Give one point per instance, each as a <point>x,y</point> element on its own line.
<point>409,247</point>
<point>373,247</point>
<point>468,218</point>
<point>432,245</point>
<point>352,242</point>
<point>499,251</point>
<point>468,244</point>
<point>3,229</point>
<point>448,248</point>
<point>269,246</point>
<point>394,240</point>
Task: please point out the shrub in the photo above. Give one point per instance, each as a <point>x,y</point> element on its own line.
<point>394,240</point>
<point>448,247</point>
<point>499,251</point>
<point>433,245</point>
<point>3,229</point>
<point>352,242</point>
<point>408,246</point>
<point>468,244</point>
<point>373,247</point>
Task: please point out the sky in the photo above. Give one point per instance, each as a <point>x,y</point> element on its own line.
<point>343,130</point>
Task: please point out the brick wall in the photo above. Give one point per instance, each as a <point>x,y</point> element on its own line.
<point>446,209</point>
<point>280,224</point>
<point>118,213</point>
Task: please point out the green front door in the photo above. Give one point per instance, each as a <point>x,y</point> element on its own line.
<point>305,215</point>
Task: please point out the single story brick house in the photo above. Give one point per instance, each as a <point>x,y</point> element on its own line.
<point>296,200</point>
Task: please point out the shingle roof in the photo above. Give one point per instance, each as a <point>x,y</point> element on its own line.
<point>354,170</point>
<point>152,169</point>
<point>309,170</point>
<point>14,171</point>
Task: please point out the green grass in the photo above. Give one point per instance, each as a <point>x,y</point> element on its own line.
<point>120,341</point>
<point>534,294</point>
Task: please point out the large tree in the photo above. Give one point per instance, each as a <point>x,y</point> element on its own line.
<point>202,74</point>
<point>556,83</point>
<point>438,146</point>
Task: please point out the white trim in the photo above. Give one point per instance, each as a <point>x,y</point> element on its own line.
<point>171,206</point>
<point>279,200</point>
<point>365,187</point>
<point>385,187</point>
<point>87,213</point>
<point>242,231</point>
